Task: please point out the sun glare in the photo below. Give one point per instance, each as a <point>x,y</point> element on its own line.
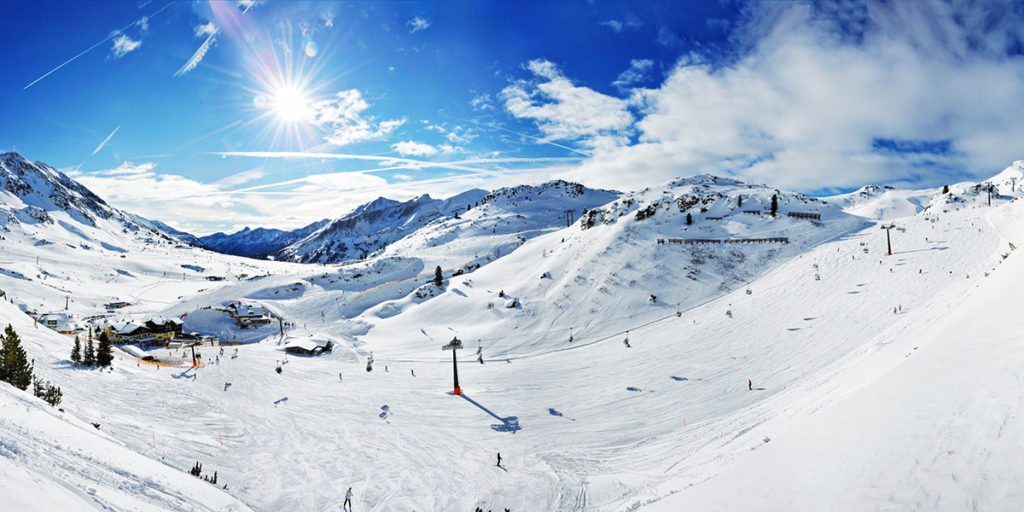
<point>290,104</point>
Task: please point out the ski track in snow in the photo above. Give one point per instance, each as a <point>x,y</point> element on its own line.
<point>808,345</point>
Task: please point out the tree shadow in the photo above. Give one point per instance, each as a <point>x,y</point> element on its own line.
<point>508,424</point>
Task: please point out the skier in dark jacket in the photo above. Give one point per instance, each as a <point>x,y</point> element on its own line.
<point>750,385</point>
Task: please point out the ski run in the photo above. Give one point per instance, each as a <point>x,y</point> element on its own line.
<point>673,348</point>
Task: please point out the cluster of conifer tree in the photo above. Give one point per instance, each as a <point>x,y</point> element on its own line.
<point>102,354</point>
<point>16,369</point>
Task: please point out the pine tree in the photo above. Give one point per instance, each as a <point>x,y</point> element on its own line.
<point>775,205</point>
<point>89,358</point>
<point>104,352</point>
<point>689,219</point>
<point>48,392</point>
<point>438,277</point>
<point>76,352</point>
<point>14,365</point>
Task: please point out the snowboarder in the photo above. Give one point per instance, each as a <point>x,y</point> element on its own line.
<point>499,459</point>
<point>750,385</point>
<point>413,372</point>
<point>348,500</point>
<point>278,369</point>
<point>339,376</point>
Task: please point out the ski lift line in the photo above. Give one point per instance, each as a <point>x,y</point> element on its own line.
<point>574,346</point>
<point>594,339</point>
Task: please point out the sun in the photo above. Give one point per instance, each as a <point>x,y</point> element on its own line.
<point>290,104</point>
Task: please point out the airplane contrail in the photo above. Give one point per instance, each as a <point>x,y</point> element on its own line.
<point>91,48</point>
<point>106,140</point>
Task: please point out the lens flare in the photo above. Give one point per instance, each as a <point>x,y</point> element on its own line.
<point>311,49</point>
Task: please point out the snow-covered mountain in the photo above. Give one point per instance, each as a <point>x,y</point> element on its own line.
<point>30,193</point>
<point>259,242</point>
<point>374,225</point>
<point>628,336</point>
<point>503,220</point>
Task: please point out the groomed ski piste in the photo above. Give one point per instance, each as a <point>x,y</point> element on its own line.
<point>878,382</point>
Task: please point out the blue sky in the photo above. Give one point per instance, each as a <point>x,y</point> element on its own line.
<point>217,115</point>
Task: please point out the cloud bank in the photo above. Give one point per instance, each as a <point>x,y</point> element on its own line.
<point>822,96</point>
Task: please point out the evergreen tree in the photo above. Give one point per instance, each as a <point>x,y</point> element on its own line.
<point>14,365</point>
<point>775,205</point>
<point>48,392</point>
<point>689,219</point>
<point>945,189</point>
<point>89,358</point>
<point>438,277</point>
<point>104,352</point>
<point>76,352</point>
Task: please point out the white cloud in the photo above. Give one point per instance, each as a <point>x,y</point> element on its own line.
<point>564,111</point>
<point>205,29</point>
<point>242,177</point>
<point>138,188</point>
<point>668,38</point>
<point>448,149</point>
<point>482,102</point>
<point>615,25</point>
<point>417,24</point>
<point>630,22</point>
<point>412,148</point>
<point>638,72</point>
<point>461,135</point>
<point>343,119</point>
<point>805,106</point>
<point>123,45</point>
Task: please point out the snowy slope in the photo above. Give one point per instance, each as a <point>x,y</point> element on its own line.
<point>928,419</point>
<point>583,424</point>
<point>53,461</point>
<point>883,202</point>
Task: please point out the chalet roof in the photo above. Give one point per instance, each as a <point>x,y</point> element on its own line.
<point>130,328</point>
<point>309,344</point>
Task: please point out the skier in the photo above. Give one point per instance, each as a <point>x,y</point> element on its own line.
<point>348,500</point>
<point>750,385</point>
<point>499,459</point>
<point>413,372</point>
<point>339,376</point>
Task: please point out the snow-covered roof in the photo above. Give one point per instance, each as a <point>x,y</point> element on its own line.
<point>306,343</point>
<point>164,321</point>
<point>129,328</point>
